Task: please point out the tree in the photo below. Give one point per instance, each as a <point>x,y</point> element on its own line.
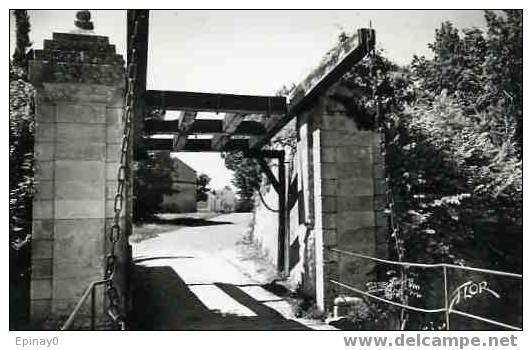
<point>152,179</point>
<point>21,175</point>
<point>246,174</point>
<point>456,67</point>
<point>22,23</point>
<point>481,71</point>
<point>503,70</point>
<point>453,153</point>
<point>202,182</point>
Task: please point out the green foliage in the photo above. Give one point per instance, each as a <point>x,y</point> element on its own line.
<point>21,130</point>
<point>457,65</point>
<point>452,129</point>
<point>21,179</point>
<point>22,22</point>
<point>453,141</point>
<point>246,174</point>
<point>504,70</point>
<point>21,186</point>
<point>368,316</point>
<point>201,187</point>
<point>286,138</point>
<point>481,71</point>
<point>152,178</point>
<point>454,152</point>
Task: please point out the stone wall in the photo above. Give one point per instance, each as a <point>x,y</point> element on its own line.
<point>79,83</point>
<point>349,198</point>
<point>338,177</point>
<point>266,224</point>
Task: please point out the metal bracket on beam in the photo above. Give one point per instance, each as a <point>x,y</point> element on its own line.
<point>252,153</point>
<point>280,187</point>
<point>264,166</point>
<point>260,155</point>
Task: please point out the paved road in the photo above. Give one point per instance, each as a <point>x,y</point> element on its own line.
<point>188,280</point>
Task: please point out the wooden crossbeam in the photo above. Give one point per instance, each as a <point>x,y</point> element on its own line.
<point>232,121</point>
<point>207,102</point>
<point>224,142</point>
<point>230,124</point>
<point>310,89</point>
<point>220,129</point>
<point>156,126</point>
<point>237,106</point>
<point>236,145</point>
<point>207,126</point>
<point>250,127</point>
<point>159,144</point>
<point>203,126</point>
<point>194,145</point>
<point>152,144</point>
<point>198,145</point>
<point>185,125</point>
<point>266,153</point>
<point>219,141</point>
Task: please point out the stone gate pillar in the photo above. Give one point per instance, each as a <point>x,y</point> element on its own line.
<point>347,175</point>
<point>79,81</point>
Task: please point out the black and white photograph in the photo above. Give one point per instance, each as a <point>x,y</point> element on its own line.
<point>267,170</point>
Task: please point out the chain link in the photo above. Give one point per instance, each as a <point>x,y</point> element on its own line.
<point>390,203</point>
<point>115,231</point>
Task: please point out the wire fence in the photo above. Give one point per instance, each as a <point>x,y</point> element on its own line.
<point>449,305</point>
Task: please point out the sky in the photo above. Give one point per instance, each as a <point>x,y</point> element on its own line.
<point>250,52</point>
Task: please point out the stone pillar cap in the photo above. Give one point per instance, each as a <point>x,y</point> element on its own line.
<point>84,25</point>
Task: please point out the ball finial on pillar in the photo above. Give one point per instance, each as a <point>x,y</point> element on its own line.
<point>83,20</point>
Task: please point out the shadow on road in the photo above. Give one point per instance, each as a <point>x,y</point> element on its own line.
<point>189,221</point>
<point>138,260</point>
<point>163,301</point>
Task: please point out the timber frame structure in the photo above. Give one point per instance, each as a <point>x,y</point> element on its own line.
<point>249,121</point>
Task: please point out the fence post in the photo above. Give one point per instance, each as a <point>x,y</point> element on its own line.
<point>447,325</point>
<point>93,307</point>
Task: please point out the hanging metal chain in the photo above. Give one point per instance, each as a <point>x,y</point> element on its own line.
<point>115,232</point>
<point>390,204</point>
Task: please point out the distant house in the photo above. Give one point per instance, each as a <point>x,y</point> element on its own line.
<point>223,200</point>
<point>228,200</point>
<point>184,183</point>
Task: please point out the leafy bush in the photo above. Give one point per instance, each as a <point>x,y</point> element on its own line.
<point>454,152</point>
<point>202,181</point>
<point>368,316</point>
<point>153,180</point>
<point>453,145</point>
<point>152,176</point>
<point>246,176</point>
<point>21,129</point>
<point>21,133</point>
<point>21,182</point>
